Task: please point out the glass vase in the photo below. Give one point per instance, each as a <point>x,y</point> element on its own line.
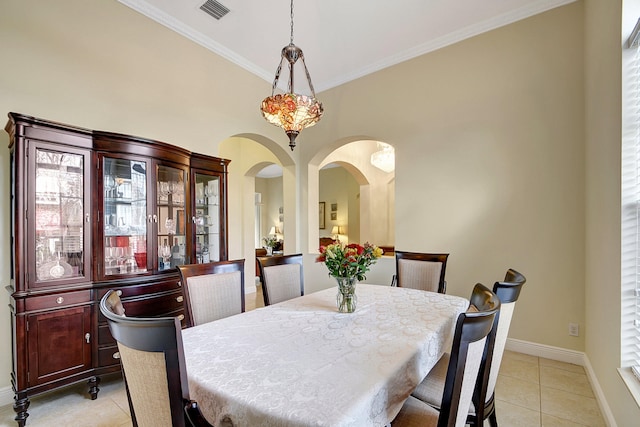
<point>346,298</point>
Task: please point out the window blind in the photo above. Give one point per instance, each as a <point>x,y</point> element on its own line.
<point>631,210</point>
<point>635,297</point>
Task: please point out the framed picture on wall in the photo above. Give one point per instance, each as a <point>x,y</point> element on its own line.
<point>321,216</point>
<point>334,216</point>
<point>334,207</point>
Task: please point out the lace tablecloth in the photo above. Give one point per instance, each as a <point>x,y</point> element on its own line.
<point>301,363</point>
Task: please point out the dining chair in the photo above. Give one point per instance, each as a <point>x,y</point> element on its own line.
<point>282,278</point>
<point>483,406</point>
<point>212,291</point>
<point>153,367</point>
<point>472,328</point>
<point>422,271</point>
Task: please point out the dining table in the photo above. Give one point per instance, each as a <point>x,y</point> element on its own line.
<point>302,363</point>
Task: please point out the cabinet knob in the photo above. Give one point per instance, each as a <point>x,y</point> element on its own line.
<point>116,355</point>
<point>155,218</point>
<point>179,299</point>
<point>193,219</point>
<point>87,337</point>
<point>119,292</point>
<point>181,317</point>
<point>150,219</point>
<point>179,283</point>
<point>59,300</point>
<point>86,217</point>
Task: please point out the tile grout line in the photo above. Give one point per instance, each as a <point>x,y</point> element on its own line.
<point>540,388</point>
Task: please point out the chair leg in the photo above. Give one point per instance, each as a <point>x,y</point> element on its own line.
<point>493,421</point>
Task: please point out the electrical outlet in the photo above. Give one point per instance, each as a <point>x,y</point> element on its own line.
<point>574,329</point>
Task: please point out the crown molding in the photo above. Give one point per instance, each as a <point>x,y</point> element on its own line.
<point>168,21</point>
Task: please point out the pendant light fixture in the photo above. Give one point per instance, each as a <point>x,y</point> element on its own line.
<point>385,158</point>
<point>291,111</point>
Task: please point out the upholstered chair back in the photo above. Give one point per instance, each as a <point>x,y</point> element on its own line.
<point>212,291</point>
<point>421,271</point>
<point>282,278</point>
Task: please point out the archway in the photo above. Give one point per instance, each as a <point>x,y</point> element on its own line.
<point>376,193</point>
<point>249,154</point>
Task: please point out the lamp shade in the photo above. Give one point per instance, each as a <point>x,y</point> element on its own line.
<point>292,111</point>
<point>335,230</point>
<point>272,231</point>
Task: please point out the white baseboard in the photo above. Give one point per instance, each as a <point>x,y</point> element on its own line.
<point>546,351</point>
<point>6,396</point>
<point>567,356</point>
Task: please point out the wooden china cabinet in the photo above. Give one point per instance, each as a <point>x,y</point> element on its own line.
<point>93,211</point>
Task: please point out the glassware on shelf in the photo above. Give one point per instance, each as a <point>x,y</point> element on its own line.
<point>119,256</point>
<point>119,192</point>
<point>129,261</point>
<point>165,255</point>
<point>170,225</point>
<point>108,257</point>
<point>175,254</point>
<point>205,254</point>
<point>57,270</point>
<point>163,191</point>
<point>109,186</point>
<point>199,194</point>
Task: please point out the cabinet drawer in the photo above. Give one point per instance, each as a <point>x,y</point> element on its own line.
<point>104,335</point>
<point>57,300</point>
<point>153,305</point>
<point>158,305</point>
<point>143,289</point>
<point>106,356</point>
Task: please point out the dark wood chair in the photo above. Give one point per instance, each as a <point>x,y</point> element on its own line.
<point>282,278</point>
<point>484,399</point>
<point>153,367</point>
<point>259,252</point>
<point>212,290</point>
<point>422,271</point>
<point>463,367</point>
<point>483,406</point>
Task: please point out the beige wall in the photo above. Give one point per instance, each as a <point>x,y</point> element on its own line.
<point>490,151</point>
<point>489,136</point>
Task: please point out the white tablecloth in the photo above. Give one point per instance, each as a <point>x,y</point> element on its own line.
<point>301,363</point>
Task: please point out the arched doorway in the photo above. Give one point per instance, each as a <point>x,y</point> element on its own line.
<point>249,154</point>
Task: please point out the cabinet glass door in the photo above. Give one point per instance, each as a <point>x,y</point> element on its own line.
<point>171,217</point>
<point>61,215</point>
<point>207,218</point>
<point>125,216</point>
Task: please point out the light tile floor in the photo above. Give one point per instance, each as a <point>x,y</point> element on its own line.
<point>531,391</point>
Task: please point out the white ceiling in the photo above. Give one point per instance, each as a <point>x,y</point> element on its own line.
<point>342,40</point>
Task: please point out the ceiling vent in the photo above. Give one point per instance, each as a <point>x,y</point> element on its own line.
<point>214,8</point>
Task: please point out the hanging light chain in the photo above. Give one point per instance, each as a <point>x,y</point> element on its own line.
<point>291,40</point>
